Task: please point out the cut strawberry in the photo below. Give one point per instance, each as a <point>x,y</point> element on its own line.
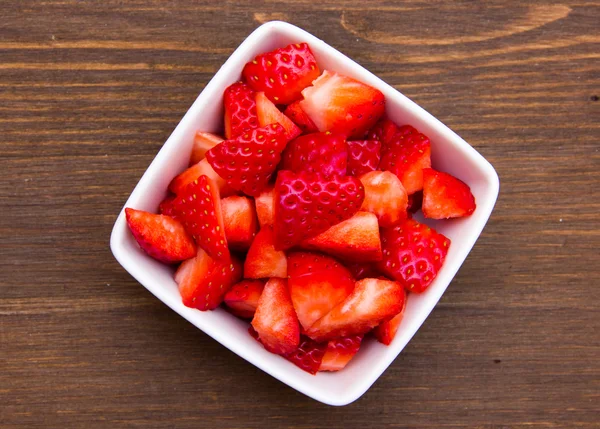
<point>179,183</point>
<point>203,281</point>
<point>239,220</point>
<point>363,156</point>
<point>339,352</point>
<point>445,196</point>
<point>383,131</point>
<point>386,330</point>
<point>203,142</point>
<point>363,270</point>
<point>385,197</point>
<point>342,105</point>
<point>308,355</point>
<point>317,283</point>
<point>282,74</point>
<point>269,114</point>
<point>371,302</point>
<point>240,110</point>
<point>248,162</point>
<point>323,153</point>
<point>307,204</point>
<point>160,236</point>
<point>413,253</point>
<point>300,118</point>
<point>242,298</point>
<point>166,206</point>
<point>264,207</point>
<point>263,261</point>
<point>415,201</point>
<point>355,239</point>
<point>275,320</point>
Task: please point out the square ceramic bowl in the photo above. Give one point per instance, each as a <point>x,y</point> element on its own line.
<point>450,153</point>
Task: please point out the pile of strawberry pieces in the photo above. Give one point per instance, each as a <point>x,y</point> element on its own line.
<point>300,219</point>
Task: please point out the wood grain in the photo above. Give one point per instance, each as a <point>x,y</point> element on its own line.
<point>89,91</point>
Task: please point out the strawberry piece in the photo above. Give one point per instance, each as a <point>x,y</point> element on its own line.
<point>269,114</point>
<point>239,221</point>
<point>306,205</point>
<point>445,196</point>
<point>383,131</point>
<point>160,236</point>
<point>323,153</point>
<point>282,74</point>
<point>203,281</point>
<point>363,270</point>
<point>264,207</point>
<point>317,283</point>
<point>363,156</point>
<point>308,356</point>
<point>355,239</point>
<point>385,197</point>
<point>300,118</point>
<point>408,153</point>
<point>179,183</point>
<point>262,260</point>
<point>371,301</point>
<point>240,110</point>
<point>199,209</point>
<point>275,320</point>
<point>203,142</point>
<point>415,201</point>
<point>339,352</point>
<point>413,253</point>
<point>166,206</point>
<point>242,298</point>
<point>342,105</point>
<point>386,330</point>
<point>248,162</point>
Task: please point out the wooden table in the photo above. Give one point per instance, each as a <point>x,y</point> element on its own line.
<point>89,91</point>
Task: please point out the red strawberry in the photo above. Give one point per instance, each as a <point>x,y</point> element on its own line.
<point>342,105</point>
<point>282,74</point>
<point>445,196</point>
<point>203,142</point>
<point>355,239</point>
<point>248,162</point>
<point>339,352</point>
<point>179,183</point>
<point>371,302</point>
<point>386,330</point>
<point>269,114</point>
<point>262,260</point>
<point>385,197</point>
<point>199,209</point>
<point>242,298</point>
<point>264,207</point>
<point>203,281</point>
<point>166,206</point>
<point>300,118</point>
<point>239,220</point>
<point>384,131</point>
<point>160,236</point>
<point>323,153</point>
<point>363,270</point>
<point>415,201</point>
<point>363,156</point>
<point>413,253</point>
<point>308,355</point>
<point>317,283</point>
<point>307,204</point>
<point>275,320</point>
<point>240,110</point>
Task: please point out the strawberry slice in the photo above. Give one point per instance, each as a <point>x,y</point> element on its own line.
<point>199,209</point>
<point>300,118</point>
<point>385,197</point>
<point>355,239</point>
<point>363,156</point>
<point>275,320</point>
<point>239,221</point>
<point>317,283</point>
<point>248,162</point>
<point>343,105</point>
<point>262,260</point>
<point>307,204</point>
<point>160,236</point>
<point>180,182</point>
<point>371,302</point>
<point>445,196</point>
<point>240,110</point>
<point>324,153</point>
<point>339,352</point>
<point>386,330</point>
<point>203,142</point>
<point>242,298</point>
<point>269,114</point>
<point>308,356</point>
<point>413,253</point>
<point>203,281</point>
<point>282,74</point>
<point>264,207</point>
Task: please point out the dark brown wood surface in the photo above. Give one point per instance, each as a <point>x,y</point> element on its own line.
<point>89,91</point>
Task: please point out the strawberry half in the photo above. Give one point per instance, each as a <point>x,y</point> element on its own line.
<point>275,320</point>
<point>300,118</point>
<point>323,153</point>
<point>269,114</point>
<point>445,196</point>
<point>307,204</point>
<point>413,253</point>
<point>386,330</point>
<point>262,260</point>
<point>385,197</point>
<point>317,283</point>
<point>248,162</point>
<point>363,156</point>
<point>264,207</point>
<point>203,142</point>
<point>242,298</point>
<point>339,352</point>
<point>308,356</point>
<point>240,110</point>
<point>342,105</point>
<point>180,182</point>
<point>239,221</point>
<point>282,74</point>
<point>371,302</point>
<point>160,236</point>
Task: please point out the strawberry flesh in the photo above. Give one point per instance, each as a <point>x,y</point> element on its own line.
<point>239,221</point>
<point>386,330</point>
<point>385,197</point>
<point>300,118</point>
<point>262,260</point>
<point>445,196</point>
<point>269,114</point>
<point>180,182</point>
<point>339,352</point>
<point>203,142</point>
<point>242,298</point>
<point>264,207</point>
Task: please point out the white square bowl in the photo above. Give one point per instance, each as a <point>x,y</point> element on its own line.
<point>450,153</point>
